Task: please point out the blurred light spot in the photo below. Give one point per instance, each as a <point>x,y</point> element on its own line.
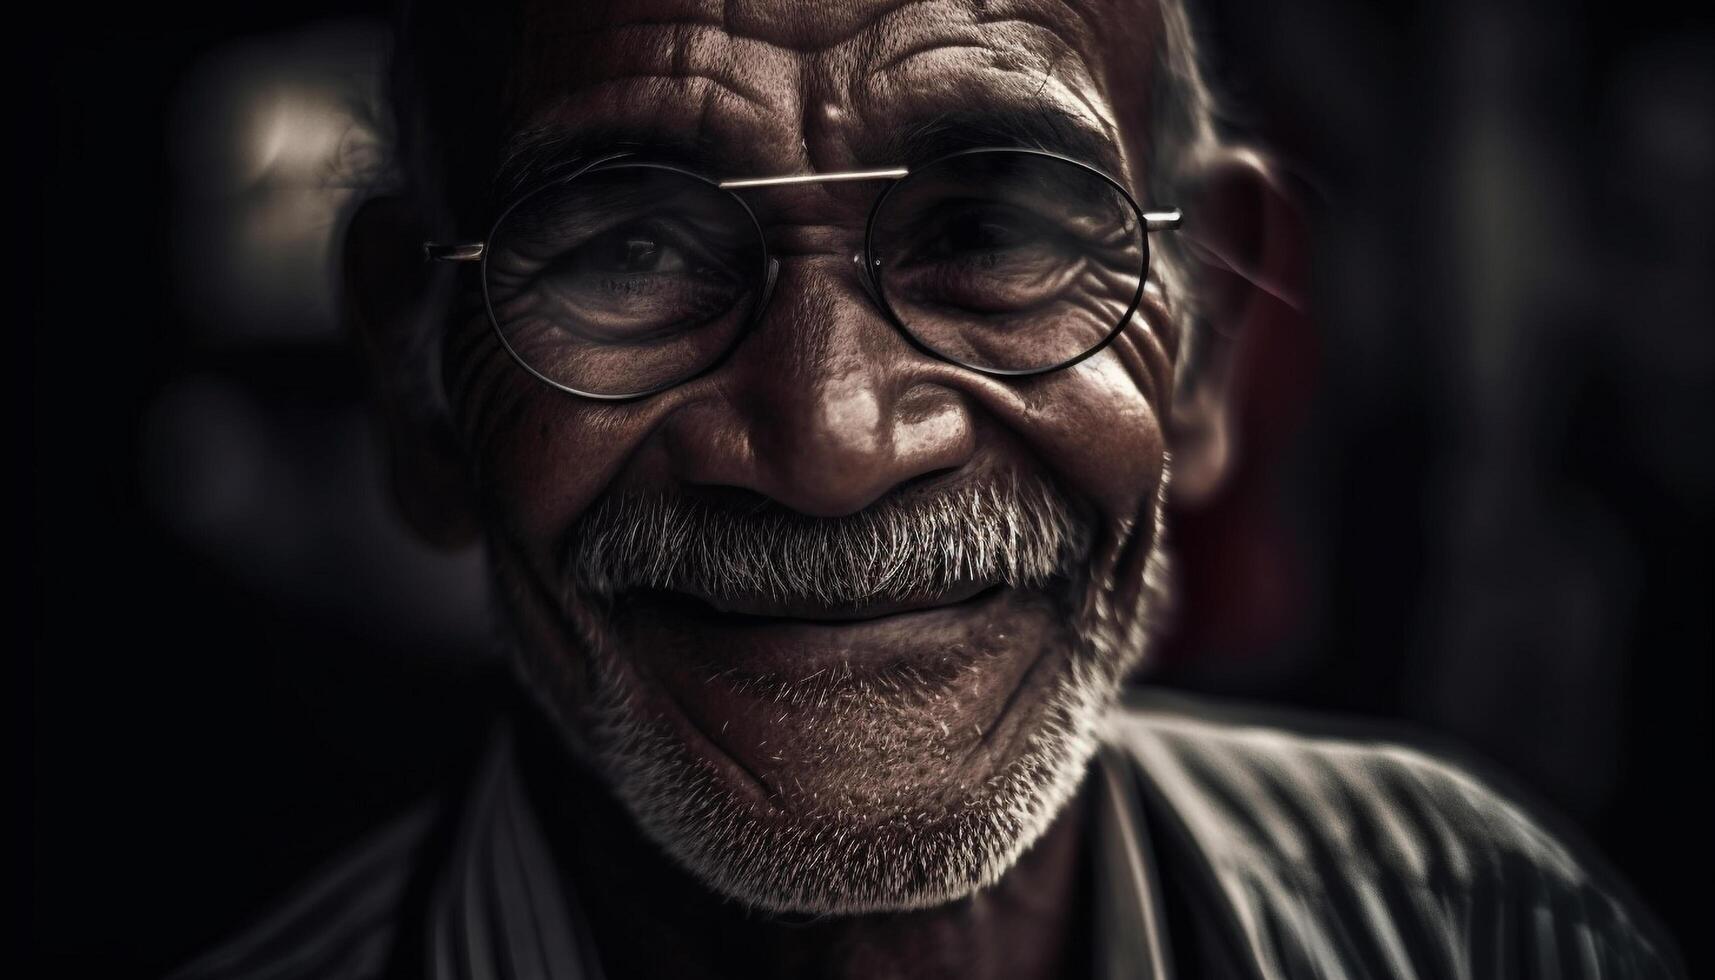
<point>274,139</point>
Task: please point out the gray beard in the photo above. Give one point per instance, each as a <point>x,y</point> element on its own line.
<point>923,845</point>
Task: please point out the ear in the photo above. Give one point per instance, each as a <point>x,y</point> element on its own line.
<point>1248,245</point>
<point>388,301</point>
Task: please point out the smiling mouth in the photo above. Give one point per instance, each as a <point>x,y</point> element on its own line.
<point>683,631</point>
<point>758,610</point>
<point>786,697</point>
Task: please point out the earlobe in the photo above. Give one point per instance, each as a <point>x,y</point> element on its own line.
<point>387,299</point>
<point>1248,244</point>
<point>1201,437</point>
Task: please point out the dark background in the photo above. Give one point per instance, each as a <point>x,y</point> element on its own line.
<point>1477,497</point>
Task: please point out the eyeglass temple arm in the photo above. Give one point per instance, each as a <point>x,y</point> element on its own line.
<point>1164,220</point>
<point>453,251</point>
<point>472,251</point>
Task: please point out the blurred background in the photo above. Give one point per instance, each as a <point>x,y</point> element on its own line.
<point>1476,493</point>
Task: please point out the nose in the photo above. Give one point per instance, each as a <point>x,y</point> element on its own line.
<point>833,408</point>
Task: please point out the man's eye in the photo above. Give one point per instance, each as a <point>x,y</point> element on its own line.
<point>985,234</point>
<point>631,252</point>
<point>971,232</point>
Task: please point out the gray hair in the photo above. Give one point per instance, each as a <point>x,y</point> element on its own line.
<point>1015,530</point>
<point>841,852</point>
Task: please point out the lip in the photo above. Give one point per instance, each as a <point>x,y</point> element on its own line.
<point>766,609</point>
<point>687,634</point>
<point>768,699</point>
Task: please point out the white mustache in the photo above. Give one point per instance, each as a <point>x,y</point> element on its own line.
<point>1015,530</point>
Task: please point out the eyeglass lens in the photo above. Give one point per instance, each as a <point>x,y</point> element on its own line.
<point>628,279</point>
<point>1009,262</point>
<point>622,281</point>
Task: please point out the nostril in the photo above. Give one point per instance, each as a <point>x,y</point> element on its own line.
<point>727,497</point>
<point>925,479</point>
<point>744,500</point>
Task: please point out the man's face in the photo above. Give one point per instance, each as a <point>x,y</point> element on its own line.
<point>798,728</point>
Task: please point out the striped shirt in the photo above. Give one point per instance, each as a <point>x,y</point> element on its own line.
<point>1301,848</point>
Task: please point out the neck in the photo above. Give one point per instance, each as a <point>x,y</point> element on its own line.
<point>650,919</point>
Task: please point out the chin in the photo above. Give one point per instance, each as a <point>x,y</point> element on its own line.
<point>876,753</point>
<point>913,771</point>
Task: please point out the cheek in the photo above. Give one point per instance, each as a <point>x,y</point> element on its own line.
<point>1111,440</point>
<point>1100,431</point>
<point>1099,427</point>
<point>539,456</point>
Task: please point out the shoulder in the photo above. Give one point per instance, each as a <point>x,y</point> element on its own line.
<point>340,923</point>
<point>1297,785</point>
<point>1360,831</point>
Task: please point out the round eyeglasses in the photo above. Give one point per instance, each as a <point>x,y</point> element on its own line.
<point>628,277</point>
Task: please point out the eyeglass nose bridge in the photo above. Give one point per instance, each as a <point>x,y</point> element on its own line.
<point>865,276</point>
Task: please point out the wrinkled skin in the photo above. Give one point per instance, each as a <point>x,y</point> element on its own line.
<point>823,409</point>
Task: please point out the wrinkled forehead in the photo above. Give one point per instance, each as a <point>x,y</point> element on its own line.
<point>753,87</point>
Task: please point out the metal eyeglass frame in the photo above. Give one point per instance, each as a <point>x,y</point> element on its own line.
<point>1160,220</point>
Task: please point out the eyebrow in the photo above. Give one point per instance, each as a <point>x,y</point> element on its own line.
<point>1037,126</point>
<point>534,157</point>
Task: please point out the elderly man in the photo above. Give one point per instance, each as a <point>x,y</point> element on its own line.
<point>814,375</point>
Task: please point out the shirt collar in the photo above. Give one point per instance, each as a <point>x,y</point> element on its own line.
<point>499,909</point>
